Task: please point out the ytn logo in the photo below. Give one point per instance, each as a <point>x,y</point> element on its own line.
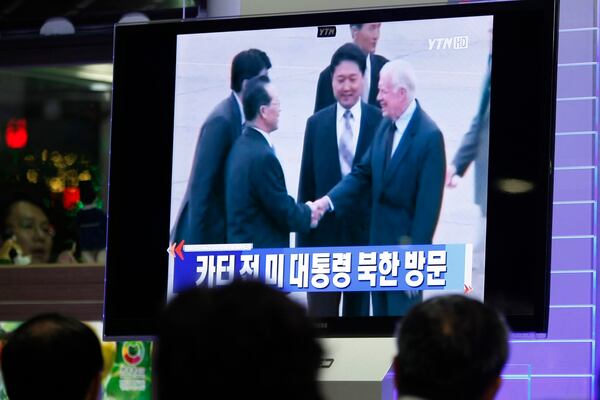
<point>326,31</point>
<point>456,43</point>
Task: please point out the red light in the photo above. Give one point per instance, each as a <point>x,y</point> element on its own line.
<point>16,133</point>
<point>71,197</point>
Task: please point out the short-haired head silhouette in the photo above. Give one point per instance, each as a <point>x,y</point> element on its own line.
<point>52,356</point>
<point>243,340</point>
<point>451,347</point>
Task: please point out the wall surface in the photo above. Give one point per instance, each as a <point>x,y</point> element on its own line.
<point>563,364</point>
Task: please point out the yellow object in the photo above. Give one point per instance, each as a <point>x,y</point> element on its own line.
<point>85,176</point>
<point>57,185</point>
<point>109,352</point>
<point>7,246</point>
<point>32,175</point>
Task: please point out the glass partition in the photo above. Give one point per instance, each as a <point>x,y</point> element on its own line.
<point>54,127</point>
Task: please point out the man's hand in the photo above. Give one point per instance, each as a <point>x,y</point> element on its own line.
<point>67,256</point>
<point>318,208</point>
<point>451,177</point>
<point>323,204</point>
<point>315,214</point>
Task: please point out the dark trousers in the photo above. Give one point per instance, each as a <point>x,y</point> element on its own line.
<point>356,304</point>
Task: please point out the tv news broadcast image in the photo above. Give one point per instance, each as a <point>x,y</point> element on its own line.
<point>393,141</point>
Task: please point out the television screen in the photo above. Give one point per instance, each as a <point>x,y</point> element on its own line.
<point>361,161</point>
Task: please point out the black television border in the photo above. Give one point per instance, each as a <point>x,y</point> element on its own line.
<point>519,225</point>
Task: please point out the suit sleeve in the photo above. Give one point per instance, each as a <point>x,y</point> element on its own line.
<point>430,190</point>
<point>269,181</point>
<point>345,194</point>
<point>469,146</point>
<point>306,185</point>
<point>211,152</point>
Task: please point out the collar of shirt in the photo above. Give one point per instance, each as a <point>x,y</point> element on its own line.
<point>356,111</point>
<point>402,122</point>
<point>265,135</point>
<point>241,107</point>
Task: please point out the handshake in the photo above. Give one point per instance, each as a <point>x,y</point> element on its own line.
<point>318,208</point>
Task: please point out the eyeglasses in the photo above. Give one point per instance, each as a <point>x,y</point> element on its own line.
<point>29,225</point>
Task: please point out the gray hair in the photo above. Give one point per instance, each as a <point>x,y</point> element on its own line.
<point>402,75</point>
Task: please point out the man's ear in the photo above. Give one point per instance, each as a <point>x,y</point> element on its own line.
<point>492,389</point>
<point>261,110</point>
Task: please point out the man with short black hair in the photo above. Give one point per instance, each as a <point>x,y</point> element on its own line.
<point>450,347</point>
<point>259,209</point>
<point>52,357</point>
<point>201,219</point>
<point>365,36</point>
<point>335,139</point>
<point>241,341</point>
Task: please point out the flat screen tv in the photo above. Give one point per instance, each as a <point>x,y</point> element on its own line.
<point>196,191</point>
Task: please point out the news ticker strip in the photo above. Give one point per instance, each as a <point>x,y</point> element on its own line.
<point>326,269</point>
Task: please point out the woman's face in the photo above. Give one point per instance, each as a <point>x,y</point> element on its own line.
<point>32,230</point>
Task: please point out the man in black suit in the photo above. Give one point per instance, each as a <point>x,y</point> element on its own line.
<point>259,209</point>
<point>404,171</point>
<point>335,139</point>
<point>364,36</point>
<point>474,149</point>
<point>201,219</point>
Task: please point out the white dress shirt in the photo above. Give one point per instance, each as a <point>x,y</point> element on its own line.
<point>356,111</point>
<point>402,123</point>
<point>239,103</point>
<point>367,80</point>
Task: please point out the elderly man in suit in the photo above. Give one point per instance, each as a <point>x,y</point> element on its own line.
<point>335,139</point>
<point>259,209</point>
<point>366,37</point>
<point>404,172</point>
<point>201,219</point>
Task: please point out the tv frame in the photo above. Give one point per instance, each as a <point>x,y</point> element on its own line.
<point>518,224</point>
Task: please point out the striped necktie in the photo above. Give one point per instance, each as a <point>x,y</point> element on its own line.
<point>345,147</point>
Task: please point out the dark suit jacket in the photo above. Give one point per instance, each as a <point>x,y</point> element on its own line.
<point>325,92</point>
<point>474,147</point>
<point>407,194</point>
<point>259,209</point>
<point>320,172</point>
<point>201,219</point>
